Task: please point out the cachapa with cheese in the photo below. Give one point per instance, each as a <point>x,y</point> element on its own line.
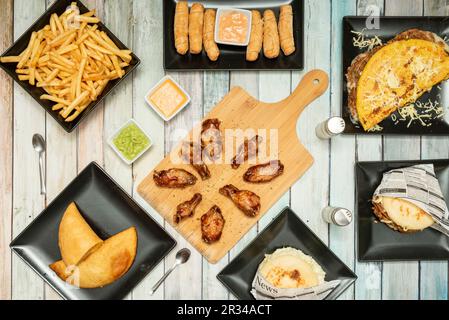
<point>401,215</point>
<point>289,268</point>
<point>394,75</point>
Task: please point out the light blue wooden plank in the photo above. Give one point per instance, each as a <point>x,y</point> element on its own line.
<point>216,86</point>
<point>341,240</point>
<point>29,118</point>
<point>311,193</point>
<point>148,46</point>
<point>186,281</point>
<point>434,275</point>
<point>369,148</point>
<point>401,279</point>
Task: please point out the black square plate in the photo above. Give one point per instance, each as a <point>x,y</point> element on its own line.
<point>389,28</point>
<point>376,241</point>
<point>287,230</point>
<point>108,209</point>
<point>59,7</point>
<point>234,57</point>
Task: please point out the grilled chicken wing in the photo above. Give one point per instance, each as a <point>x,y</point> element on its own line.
<point>187,209</point>
<point>245,200</point>
<point>174,178</point>
<point>212,223</point>
<point>248,150</point>
<point>264,172</point>
<point>191,153</point>
<point>211,139</point>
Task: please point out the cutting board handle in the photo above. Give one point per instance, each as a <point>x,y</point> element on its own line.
<point>311,86</point>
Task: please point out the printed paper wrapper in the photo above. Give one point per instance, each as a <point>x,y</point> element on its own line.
<point>263,290</point>
<point>418,185</point>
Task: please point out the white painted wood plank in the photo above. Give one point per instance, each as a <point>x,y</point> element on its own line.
<point>186,281</point>
<point>118,105</point>
<point>342,178</point>
<point>400,280</point>
<point>29,118</point>
<point>369,148</point>
<point>6,163</point>
<point>90,132</point>
<point>250,82</point>
<point>62,165</point>
<point>148,46</point>
<point>215,87</point>
<point>311,193</point>
<point>274,86</point>
<point>434,275</point>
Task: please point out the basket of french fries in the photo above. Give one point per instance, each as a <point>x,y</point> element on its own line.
<point>68,61</point>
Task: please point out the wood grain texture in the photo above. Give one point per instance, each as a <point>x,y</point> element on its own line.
<point>369,148</point>
<point>401,279</point>
<point>238,110</point>
<point>215,87</point>
<point>61,164</point>
<point>148,47</point>
<point>341,240</point>
<point>176,129</point>
<point>249,81</point>
<point>90,138</point>
<point>29,118</point>
<point>311,193</point>
<point>434,275</point>
<point>6,163</point>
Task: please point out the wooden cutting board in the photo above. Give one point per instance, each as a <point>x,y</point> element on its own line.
<point>238,110</point>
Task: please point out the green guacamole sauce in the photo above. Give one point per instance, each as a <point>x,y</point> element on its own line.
<point>131,141</point>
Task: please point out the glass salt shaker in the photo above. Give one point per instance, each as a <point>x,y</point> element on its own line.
<point>338,216</point>
<point>330,128</point>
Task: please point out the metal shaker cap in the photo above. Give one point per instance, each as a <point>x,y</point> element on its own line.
<point>336,125</point>
<point>342,217</point>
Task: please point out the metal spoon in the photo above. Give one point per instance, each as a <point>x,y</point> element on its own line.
<point>39,146</point>
<point>182,257</point>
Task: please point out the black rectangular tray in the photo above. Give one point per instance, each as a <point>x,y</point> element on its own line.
<point>376,241</point>
<point>108,209</point>
<point>234,57</point>
<point>59,7</point>
<point>389,28</point>
<point>287,230</point>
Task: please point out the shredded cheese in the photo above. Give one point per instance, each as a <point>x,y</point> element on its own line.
<point>376,128</point>
<point>361,41</point>
<point>423,113</point>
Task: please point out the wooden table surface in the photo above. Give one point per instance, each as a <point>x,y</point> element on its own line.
<point>138,24</point>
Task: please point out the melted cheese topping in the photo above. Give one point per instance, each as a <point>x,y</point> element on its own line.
<point>361,41</point>
<point>397,75</point>
<point>168,98</point>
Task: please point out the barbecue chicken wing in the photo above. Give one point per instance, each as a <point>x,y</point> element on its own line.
<point>191,153</point>
<point>211,139</point>
<point>245,200</point>
<point>212,223</point>
<point>264,172</point>
<point>248,150</point>
<point>174,178</point>
<point>187,208</point>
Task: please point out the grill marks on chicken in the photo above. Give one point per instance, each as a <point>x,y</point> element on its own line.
<point>211,139</point>
<point>192,153</point>
<point>248,150</point>
<point>174,178</point>
<point>187,208</point>
<point>264,172</point>
<point>245,200</point>
<point>212,223</point>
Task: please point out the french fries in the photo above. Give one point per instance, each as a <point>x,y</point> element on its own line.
<point>71,60</point>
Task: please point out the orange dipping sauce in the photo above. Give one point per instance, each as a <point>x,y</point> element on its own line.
<point>233,27</point>
<point>168,98</point>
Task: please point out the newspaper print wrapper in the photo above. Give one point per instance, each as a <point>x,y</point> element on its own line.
<point>263,290</point>
<point>418,185</point>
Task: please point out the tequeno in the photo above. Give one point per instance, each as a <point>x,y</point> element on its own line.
<point>208,35</point>
<point>286,30</point>
<point>256,38</point>
<point>271,47</point>
<point>196,20</point>
<point>182,27</point>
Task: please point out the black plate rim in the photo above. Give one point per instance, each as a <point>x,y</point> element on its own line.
<point>361,256</point>
<point>92,166</point>
<point>285,212</point>
<point>94,104</point>
<point>300,66</point>
<point>351,132</point>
